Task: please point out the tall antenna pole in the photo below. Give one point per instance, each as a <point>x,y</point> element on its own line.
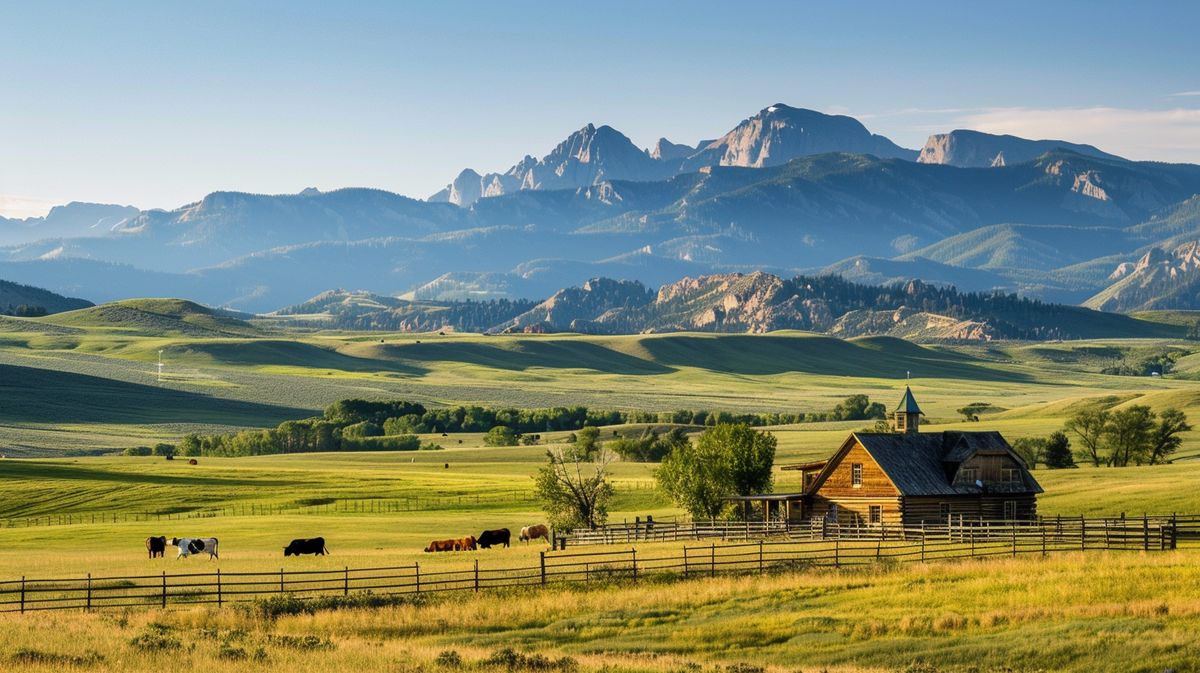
<point>160,365</point>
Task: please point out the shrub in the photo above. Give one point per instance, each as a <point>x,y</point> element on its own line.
<point>362,429</point>
<point>277,606</point>
<point>156,638</point>
<point>501,435</point>
<point>449,659</point>
<point>309,642</point>
<point>138,451</point>
<point>167,450</point>
<point>29,657</point>
<point>512,660</point>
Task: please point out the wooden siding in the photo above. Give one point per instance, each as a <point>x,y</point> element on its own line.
<point>848,507</point>
<point>918,510</point>
<point>988,468</point>
<point>838,482</point>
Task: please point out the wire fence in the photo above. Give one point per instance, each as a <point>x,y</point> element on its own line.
<point>317,506</point>
<point>553,567</point>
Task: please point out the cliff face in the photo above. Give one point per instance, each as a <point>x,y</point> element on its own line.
<point>1159,280</point>
<point>974,149</point>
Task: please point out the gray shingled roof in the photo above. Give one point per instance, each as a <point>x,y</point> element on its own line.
<point>908,403</point>
<point>924,463</point>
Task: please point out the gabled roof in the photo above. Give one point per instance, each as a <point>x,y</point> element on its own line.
<point>924,463</point>
<point>908,403</point>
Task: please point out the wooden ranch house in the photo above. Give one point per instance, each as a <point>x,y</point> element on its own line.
<point>908,477</point>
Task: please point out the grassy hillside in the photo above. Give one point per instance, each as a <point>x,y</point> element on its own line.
<point>14,295</point>
<point>157,317</point>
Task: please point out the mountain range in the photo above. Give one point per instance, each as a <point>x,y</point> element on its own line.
<point>786,191</point>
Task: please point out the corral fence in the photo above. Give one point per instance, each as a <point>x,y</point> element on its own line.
<point>553,567</point>
<point>316,506</point>
<point>1087,531</point>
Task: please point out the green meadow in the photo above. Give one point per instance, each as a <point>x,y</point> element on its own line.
<point>75,388</point>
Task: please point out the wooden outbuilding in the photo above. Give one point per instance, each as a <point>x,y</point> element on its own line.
<point>908,477</point>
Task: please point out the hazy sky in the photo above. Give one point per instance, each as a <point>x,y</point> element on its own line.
<point>156,104</point>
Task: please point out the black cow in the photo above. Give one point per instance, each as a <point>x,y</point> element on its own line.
<point>156,546</point>
<point>315,546</point>
<point>494,537</point>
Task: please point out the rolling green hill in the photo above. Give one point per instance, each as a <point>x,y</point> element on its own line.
<point>14,296</point>
<point>158,317</point>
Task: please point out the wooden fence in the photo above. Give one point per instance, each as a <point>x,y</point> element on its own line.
<point>761,556</point>
<point>1088,531</point>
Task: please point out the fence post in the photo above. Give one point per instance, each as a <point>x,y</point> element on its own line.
<point>633,555</point>
<point>922,543</point>
<point>1145,533</point>
<point>281,589</point>
<point>164,589</point>
<point>345,580</point>
<point>712,560</point>
<point>417,574</point>
<point>22,594</point>
<point>89,591</point>
<point>1043,540</point>
<point>220,598</point>
<point>685,561</point>
<point>476,574</point>
<point>760,557</point>
<point>542,564</point>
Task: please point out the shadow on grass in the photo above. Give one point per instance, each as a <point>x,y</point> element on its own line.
<point>520,355</point>
<point>32,395</point>
<point>19,469</point>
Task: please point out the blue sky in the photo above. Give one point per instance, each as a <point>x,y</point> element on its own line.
<point>156,104</point>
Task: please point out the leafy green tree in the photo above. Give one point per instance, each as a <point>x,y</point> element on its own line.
<point>574,492</point>
<point>1031,450</point>
<point>164,450</point>
<point>1129,434</point>
<point>971,411</point>
<point>858,408</point>
<point>1089,425</point>
<point>138,451</point>
<point>1165,439</point>
<point>587,442</point>
<point>1057,452</point>
<point>501,435</point>
<point>750,455</point>
<point>726,460</point>
<point>191,445</point>
<point>362,429</point>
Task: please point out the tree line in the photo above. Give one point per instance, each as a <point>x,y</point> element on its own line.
<point>365,425</point>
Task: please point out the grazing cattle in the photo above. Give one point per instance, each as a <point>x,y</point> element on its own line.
<point>193,461</point>
<point>314,546</point>
<point>441,545</point>
<point>534,532</point>
<point>465,543</point>
<point>156,546</point>
<point>494,537</point>
<point>196,545</point>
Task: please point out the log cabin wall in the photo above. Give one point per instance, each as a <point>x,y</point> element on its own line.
<point>855,500</point>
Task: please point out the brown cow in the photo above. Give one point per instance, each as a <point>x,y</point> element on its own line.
<point>465,543</point>
<point>441,545</point>
<point>534,532</point>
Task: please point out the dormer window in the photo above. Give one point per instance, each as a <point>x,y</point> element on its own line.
<point>1010,475</point>
<point>856,475</point>
<point>968,474</point>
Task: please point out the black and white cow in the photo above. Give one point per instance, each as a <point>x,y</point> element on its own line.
<point>196,545</point>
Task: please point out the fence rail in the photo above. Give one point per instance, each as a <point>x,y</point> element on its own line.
<point>1089,531</point>
<point>334,506</point>
<point>760,556</point>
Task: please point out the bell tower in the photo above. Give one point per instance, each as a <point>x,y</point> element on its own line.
<point>907,417</point>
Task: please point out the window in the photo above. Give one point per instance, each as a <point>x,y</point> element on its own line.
<point>945,511</point>
<point>968,474</point>
<point>874,513</point>
<point>856,475</point>
<point>856,520</point>
<point>1010,475</point>
<point>1010,509</point>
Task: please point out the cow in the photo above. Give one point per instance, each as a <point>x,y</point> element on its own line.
<point>534,532</point>
<point>314,546</point>
<point>193,461</point>
<point>196,545</point>
<point>156,546</point>
<point>441,545</point>
<point>465,543</point>
<point>494,537</point>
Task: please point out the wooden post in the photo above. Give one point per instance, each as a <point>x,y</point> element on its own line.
<point>1043,540</point>
<point>22,594</point>
<point>1013,526</point>
<point>476,575</point>
<point>685,561</point>
<point>164,589</point>
<point>89,591</point>
<point>712,560</point>
<point>417,574</point>
<point>220,598</point>
<point>542,560</point>
<point>922,542</point>
<point>1145,533</point>
<point>760,557</point>
<point>633,555</point>
<point>345,580</point>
